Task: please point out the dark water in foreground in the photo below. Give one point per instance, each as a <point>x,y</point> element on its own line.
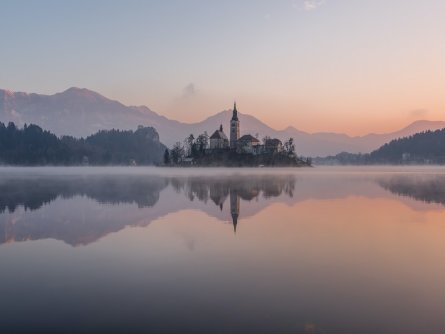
<point>136,250</point>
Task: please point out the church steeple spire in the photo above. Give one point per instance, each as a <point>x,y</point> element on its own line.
<point>234,222</point>
<point>234,128</point>
<point>235,112</point>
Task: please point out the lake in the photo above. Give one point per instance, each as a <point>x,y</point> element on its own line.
<point>147,250</point>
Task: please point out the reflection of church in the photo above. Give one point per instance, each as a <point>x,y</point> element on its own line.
<point>219,194</point>
<point>232,189</point>
<point>234,207</point>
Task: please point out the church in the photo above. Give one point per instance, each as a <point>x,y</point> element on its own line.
<point>244,144</point>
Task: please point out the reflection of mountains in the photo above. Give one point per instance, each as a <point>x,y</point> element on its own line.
<point>426,188</point>
<point>61,207</point>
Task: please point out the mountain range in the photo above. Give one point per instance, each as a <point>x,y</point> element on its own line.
<point>81,112</point>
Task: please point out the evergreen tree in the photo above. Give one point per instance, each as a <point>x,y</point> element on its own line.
<point>166,157</point>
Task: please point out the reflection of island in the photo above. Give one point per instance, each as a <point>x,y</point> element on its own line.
<point>82,209</point>
<point>429,189</point>
<point>235,188</point>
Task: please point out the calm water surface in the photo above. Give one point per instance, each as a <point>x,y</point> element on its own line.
<point>145,250</point>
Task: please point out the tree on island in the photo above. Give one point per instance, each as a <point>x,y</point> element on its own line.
<point>191,148</point>
<point>202,142</point>
<point>177,153</point>
<point>188,144</point>
<point>289,146</point>
<point>265,139</point>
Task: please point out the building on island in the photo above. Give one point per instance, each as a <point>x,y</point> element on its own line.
<point>248,144</point>
<point>245,144</point>
<point>273,145</point>
<point>218,140</point>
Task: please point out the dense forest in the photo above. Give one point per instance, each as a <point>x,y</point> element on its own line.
<point>421,148</point>
<point>31,145</point>
<point>424,147</point>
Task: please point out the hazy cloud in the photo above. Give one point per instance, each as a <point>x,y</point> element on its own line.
<point>17,117</point>
<point>189,90</point>
<point>309,5</point>
<point>418,113</point>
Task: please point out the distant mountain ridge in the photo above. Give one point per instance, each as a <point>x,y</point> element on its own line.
<point>426,147</point>
<point>82,112</point>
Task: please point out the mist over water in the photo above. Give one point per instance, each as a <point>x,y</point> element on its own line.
<point>315,250</point>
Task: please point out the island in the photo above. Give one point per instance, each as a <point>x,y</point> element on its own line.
<point>218,150</point>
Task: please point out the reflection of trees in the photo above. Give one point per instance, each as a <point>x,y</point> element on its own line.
<point>228,192</point>
<point>32,193</point>
<point>74,228</point>
<point>71,226</point>
<point>218,194</point>
<point>430,189</point>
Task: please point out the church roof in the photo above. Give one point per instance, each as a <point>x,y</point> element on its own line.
<point>218,134</point>
<point>249,138</point>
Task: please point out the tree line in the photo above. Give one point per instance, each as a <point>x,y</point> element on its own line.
<point>423,147</point>
<point>31,145</point>
<point>191,147</point>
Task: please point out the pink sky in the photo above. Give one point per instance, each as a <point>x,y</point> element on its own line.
<point>318,65</point>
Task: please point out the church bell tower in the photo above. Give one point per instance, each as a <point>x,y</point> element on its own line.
<point>234,128</point>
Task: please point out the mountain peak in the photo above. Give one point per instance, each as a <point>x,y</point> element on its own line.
<point>424,122</point>
<point>6,94</point>
<point>422,125</point>
<point>76,92</point>
<point>78,89</point>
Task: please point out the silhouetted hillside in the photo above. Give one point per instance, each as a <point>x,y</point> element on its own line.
<point>421,148</point>
<point>32,145</point>
<point>424,147</point>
